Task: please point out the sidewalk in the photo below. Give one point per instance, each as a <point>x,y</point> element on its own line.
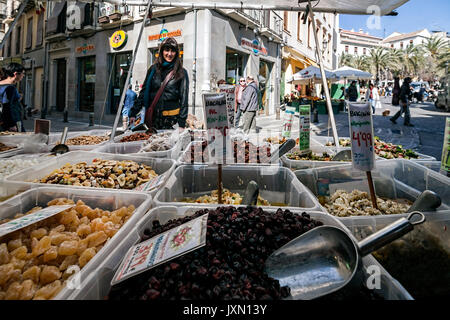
<point>57,124</point>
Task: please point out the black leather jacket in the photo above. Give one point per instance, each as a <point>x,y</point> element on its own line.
<point>175,95</point>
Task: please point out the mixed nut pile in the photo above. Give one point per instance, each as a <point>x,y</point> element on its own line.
<point>4,147</point>
<point>123,174</point>
<point>138,136</point>
<point>229,266</point>
<point>86,140</point>
<point>310,156</point>
<point>228,197</point>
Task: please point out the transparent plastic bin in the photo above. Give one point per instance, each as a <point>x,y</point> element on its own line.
<point>104,199</point>
<point>53,139</point>
<point>11,189</point>
<point>276,185</point>
<point>132,148</point>
<point>306,164</point>
<point>161,166</point>
<point>393,179</point>
<point>437,225</point>
<point>434,166</point>
<point>186,139</point>
<point>129,133</point>
<point>197,144</point>
<point>7,164</point>
<point>98,285</point>
<point>11,152</point>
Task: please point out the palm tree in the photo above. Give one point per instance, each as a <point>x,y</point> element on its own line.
<point>396,60</point>
<point>361,63</point>
<point>434,45</point>
<point>412,60</point>
<point>379,59</point>
<point>346,60</point>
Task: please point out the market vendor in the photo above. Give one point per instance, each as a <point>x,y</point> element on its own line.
<point>165,106</point>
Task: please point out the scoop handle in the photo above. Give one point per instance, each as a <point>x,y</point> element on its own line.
<point>64,135</point>
<point>284,148</point>
<point>389,233</point>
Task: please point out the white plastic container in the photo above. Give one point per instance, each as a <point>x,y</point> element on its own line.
<point>11,189</point>
<point>104,199</point>
<point>393,179</point>
<point>277,185</point>
<point>306,164</point>
<point>98,285</point>
<point>53,139</point>
<point>161,166</point>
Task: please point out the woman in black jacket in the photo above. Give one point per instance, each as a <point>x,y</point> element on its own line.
<point>172,106</point>
<point>11,108</point>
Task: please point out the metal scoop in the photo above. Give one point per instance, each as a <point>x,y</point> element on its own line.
<point>325,259</point>
<point>343,155</point>
<point>251,194</point>
<point>427,201</point>
<point>61,147</point>
<point>283,149</point>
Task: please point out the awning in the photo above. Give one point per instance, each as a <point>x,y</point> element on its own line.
<point>291,53</point>
<point>52,23</point>
<point>364,7</point>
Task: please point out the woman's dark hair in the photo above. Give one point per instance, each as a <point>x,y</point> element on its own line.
<point>178,65</point>
<point>9,70</point>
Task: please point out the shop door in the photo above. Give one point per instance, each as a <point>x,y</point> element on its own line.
<point>27,99</point>
<point>86,76</point>
<point>60,84</point>
<point>265,85</point>
<point>120,63</point>
<point>235,66</point>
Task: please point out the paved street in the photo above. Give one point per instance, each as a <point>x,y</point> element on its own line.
<point>426,137</point>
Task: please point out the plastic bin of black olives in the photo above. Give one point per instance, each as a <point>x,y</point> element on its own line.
<point>231,264</point>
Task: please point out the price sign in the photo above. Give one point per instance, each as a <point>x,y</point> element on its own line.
<point>361,134</point>
<point>31,218</point>
<point>305,127</point>
<point>162,248</point>
<point>287,122</point>
<point>217,124</point>
<point>229,92</point>
<point>445,160</point>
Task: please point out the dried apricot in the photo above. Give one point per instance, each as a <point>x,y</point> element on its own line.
<point>20,252</point>
<point>49,274</point>
<point>68,248</point>
<point>28,290</point>
<point>4,254</point>
<point>83,230</point>
<point>51,253</point>
<point>96,238</point>
<point>68,261</point>
<point>43,245</point>
<point>14,244</point>
<point>86,256</point>
<point>38,233</point>
<point>13,292</point>
<point>33,273</point>
<point>49,291</point>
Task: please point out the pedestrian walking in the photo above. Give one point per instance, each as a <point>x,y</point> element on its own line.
<point>396,92</point>
<point>11,108</point>
<point>165,90</point>
<point>352,92</point>
<point>238,99</point>
<point>249,105</point>
<point>373,97</point>
<point>404,96</point>
<point>130,98</point>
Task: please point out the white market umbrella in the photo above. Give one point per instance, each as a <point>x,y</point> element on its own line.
<point>311,74</point>
<point>352,73</point>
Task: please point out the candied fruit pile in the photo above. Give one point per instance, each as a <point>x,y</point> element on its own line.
<point>229,266</point>
<point>35,261</point>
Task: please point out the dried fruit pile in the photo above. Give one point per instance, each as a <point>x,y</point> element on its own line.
<point>228,197</point>
<point>392,151</point>
<point>157,142</point>
<point>124,174</point>
<point>229,266</point>
<point>309,156</point>
<point>34,261</point>
<point>342,143</point>
<point>86,140</point>
<point>136,137</point>
<point>4,147</point>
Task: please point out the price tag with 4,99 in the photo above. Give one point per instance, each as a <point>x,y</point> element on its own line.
<point>361,133</point>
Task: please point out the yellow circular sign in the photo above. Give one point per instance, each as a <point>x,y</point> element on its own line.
<point>118,39</point>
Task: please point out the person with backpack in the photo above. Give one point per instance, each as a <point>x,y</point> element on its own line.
<point>352,92</point>
<point>249,105</point>
<point>11,108</point>
<point>165,90</point>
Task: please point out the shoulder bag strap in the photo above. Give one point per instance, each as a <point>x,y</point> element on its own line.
<point>149,113</point>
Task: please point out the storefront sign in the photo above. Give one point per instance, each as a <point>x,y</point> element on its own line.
<point>162,248</point>
<point>305,127</point>
<point>31,218</point>
<point>445,161</point>
<point>287,121</point>
<point>84,49</point>
<point>164,34</point>
<point>118,39</point>
<point>361,133</point>
<point>229,91</point>
<point>253,45</point>
<point>217,124</point>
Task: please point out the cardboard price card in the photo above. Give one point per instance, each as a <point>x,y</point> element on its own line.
<point>31,218</point>
<point>229,91</point>
<point>305,127</point>
<point>287,121</point>
<point>162,248</point>
<point>361,135</point>
<point>217,124</point>
<point>445,160</point>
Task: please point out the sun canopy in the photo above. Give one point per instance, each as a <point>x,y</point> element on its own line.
<point>352,73</point>
<point>378,7</point>
<point>311,73</point>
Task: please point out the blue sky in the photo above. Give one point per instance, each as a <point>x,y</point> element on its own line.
<point>412,16</point>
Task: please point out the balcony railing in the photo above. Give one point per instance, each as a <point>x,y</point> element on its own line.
<point>266,19</point>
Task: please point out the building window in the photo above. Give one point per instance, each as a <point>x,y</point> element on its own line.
<point>86,74</point>
<point>40,30</point>
<point>356,50</point>
<point>411,42</point>
<point>401,45</point>
<point>286,15</point>
<point>364,50</point>
<point>392,45</point>
<point>120,65</point>
<point>299,23</point>
<point>346,49</point>
<point>18,39</point>
<point>29,41</point>
<point>234,66</point>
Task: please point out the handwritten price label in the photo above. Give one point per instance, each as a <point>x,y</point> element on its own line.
<point>229,91</point>
<point>217,124</point>
<point>162,248</point>
<point>361,133</point>
<point>305,127</point>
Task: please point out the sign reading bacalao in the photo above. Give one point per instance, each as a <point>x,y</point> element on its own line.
<point>164,34</point>
<point>253,45</point>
